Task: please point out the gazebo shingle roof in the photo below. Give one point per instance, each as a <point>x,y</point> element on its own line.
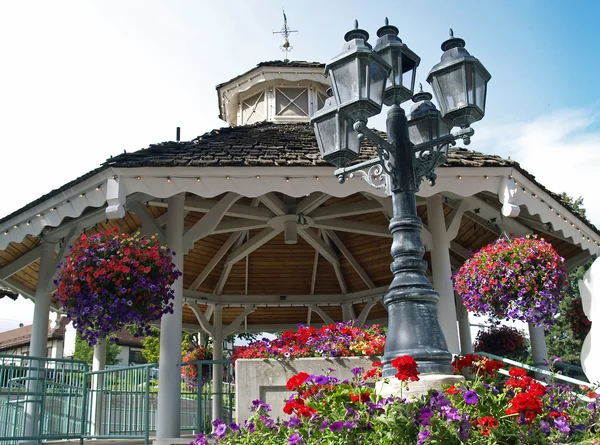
<point>266,144</point>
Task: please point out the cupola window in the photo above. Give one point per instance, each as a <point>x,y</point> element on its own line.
<point>291,102</point>
<point>254,109</point>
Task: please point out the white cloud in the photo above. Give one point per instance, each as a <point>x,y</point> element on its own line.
<point>562,150</point>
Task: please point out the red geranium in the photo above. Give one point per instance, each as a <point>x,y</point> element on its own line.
<point>406,367</point>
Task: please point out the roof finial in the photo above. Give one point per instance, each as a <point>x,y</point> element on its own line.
<point>285,32</point>
<point>387,22</point>
<point>451,33</point>
<point>420,87</point>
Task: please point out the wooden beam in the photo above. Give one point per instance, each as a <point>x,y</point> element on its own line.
<point>362,318</point>
<point>273,203</point>
<point>454,219</point>
<point>337,268</point>
<point>202,320</point>
<point>238,321</point>
<point>344,250</point>
<point>459,250</point>
<point>252,244</point>
<point>319,245</point>
<point>310,203</point>
<point>18,287</point>
<point>23,261</point>
<point>202,205</point>
<point>346,209</point>
<point>314,272</point>
<point>215,260</point>
<point>209,222</point>
<point>150,226</point>
<point>236,225</point>
<point>227,267</point>
<point>578,260</point>
<point>361,228</point>
<point>385,202</point>
<point>326,318</point>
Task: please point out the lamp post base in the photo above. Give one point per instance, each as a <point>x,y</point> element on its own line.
<point>392,387</point>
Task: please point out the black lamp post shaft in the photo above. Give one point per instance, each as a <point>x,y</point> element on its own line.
<point>413,326</point>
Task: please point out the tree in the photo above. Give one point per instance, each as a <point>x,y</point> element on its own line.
<point>85,352</point>
<point>151,345</point>
<point>575,203</point>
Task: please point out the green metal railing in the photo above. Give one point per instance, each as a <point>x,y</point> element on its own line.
<point>41,399</point>
<point>120,403</point>
<point>53,399</point>
<point>197,395</point>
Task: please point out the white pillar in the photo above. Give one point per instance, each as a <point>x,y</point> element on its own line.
<point>464,327</point>
<point>41,311</point>
<point>539,351</point>
<point>98,364</point>
<point>169,365</point>
<point>217,382</point>
<point>39,339</point>
<point>442,271</point>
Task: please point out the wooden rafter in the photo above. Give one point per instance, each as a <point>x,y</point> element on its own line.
<point>337,268</point>
<point>201,205</point>
<point>312,202</point>
<point>319,245</point>
<point>150,225</point>
<point>344,225</point>
<point>273,203</point>
<point>263,237</point>
<point>209,221</point>
<point>343,210</point>
<point>215,260</point>
<point>350,258</point>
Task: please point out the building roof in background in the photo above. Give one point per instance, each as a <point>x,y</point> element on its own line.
<point>22,336</point>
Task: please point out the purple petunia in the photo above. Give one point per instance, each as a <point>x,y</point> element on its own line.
<point>471,397</point>
<point>295,439</point>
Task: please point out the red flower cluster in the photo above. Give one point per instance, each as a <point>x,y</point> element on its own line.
<point>295,381</point>
<point>374,372</point>
<point>527,402</point>
<point>485,424</point>
<point>407,368</point>
<point>333,340</point>
<point>478,365</point>
<point>297,406</point>
<point>362,398</point>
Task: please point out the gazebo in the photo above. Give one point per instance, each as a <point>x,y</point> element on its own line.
<point>266,237</point>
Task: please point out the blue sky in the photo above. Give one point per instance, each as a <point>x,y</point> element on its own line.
<point>83,80</point>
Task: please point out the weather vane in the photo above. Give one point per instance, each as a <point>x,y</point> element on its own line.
<point>285,32</point>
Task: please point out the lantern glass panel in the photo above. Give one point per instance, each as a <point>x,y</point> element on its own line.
<point>327,132</point>
<point>352,142</point>
<point>345,80</point>
<point>408,79</point>
<point>452,89</point>
<point>470,87</point>
<point>480,90</point>
<point>378,78</point>
<point>364,77</point>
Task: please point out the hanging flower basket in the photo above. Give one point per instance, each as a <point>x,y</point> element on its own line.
<point>504,341</point>
<point>516,279</point>
<point>580,324</point>
<point>111,280</point>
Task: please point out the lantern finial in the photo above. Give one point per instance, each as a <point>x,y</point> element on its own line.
<point>387,22</point>
<point>356,33</point>
<point>453,42</point>
<point>420,87</point>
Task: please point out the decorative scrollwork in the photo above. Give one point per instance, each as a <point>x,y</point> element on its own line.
<point>426,161</point>
<point>376,176</point>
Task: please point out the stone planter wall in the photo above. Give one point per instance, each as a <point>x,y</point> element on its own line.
<point>265,379</point>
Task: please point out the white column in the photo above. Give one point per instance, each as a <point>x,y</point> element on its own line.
<point>39,339</point>
<point>464,327</point>
<point>217,373</point>
<point>539,350</point>
<point>98,364</point>
<point>41,311</point>
<point>442,271</point>
<point>169,364</point>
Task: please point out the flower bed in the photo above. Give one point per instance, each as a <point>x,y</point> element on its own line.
<point>516,279</point>
<point>490,409</point>
<point>343,339</point>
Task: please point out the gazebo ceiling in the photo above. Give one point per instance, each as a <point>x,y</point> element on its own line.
<point>239,251</point>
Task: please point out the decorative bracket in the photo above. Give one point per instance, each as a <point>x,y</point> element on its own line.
<point>115,199</point>
<point>380,172</point>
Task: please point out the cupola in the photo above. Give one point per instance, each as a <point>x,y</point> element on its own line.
<point>276,91</point>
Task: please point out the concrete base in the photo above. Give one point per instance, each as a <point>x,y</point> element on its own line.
<point>265,379</point>
<point>393,387</point>
<point>174,441</point>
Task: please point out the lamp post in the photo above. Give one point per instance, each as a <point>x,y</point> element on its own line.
<point>412,151</point>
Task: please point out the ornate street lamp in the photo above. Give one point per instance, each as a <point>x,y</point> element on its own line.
<point>413,325</point>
